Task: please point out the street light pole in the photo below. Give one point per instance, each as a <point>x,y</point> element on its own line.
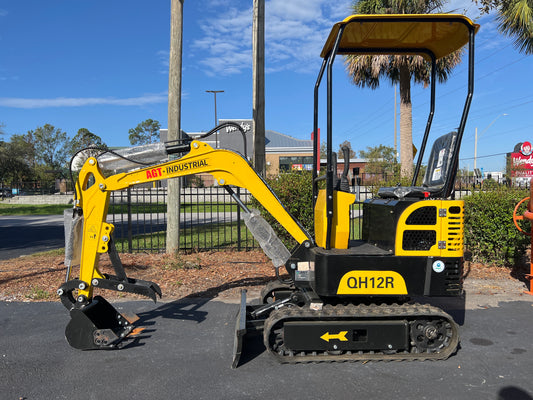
<point>216,119</point>
<point>478,136</point>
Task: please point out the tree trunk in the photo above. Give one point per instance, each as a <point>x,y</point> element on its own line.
<point>406,123</point>
<point>174,117</point>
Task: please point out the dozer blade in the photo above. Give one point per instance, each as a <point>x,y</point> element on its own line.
<point>240,331</point>
<point>98,325</point>
<point>247,325</point>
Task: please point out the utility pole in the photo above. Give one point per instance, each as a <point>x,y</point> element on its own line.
<point>174,120</point>
<point>258,49</point>
<point>475,150</point>
<point>216,119</point>
<point>395,124</point>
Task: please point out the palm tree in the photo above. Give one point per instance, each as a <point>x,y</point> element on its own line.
<point>515,18</point>
<point>366,70</point>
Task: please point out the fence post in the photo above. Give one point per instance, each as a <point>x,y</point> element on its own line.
<point>130,238</point>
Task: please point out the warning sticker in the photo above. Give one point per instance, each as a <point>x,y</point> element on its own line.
<point>437,174</point>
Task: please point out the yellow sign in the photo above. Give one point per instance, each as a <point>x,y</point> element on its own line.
<point>339,336</point>
<point>372,282</point>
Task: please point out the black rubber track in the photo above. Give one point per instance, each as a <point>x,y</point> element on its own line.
<point>273,332</point>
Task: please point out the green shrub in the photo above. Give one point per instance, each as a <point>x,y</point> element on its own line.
<point>490,184</point>
<point>295,191</point>
<point>490,234</point>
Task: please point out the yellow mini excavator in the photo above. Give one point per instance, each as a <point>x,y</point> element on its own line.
<point>345,299</point>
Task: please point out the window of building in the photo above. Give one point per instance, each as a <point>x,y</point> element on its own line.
<point>299,163</point>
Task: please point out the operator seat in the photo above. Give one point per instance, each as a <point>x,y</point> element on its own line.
<point>436,176</point>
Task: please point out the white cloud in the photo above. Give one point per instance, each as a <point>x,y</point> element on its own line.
<point>296,10</point>
<point>16,102</point>
<point>216,3</point>
<point>163,56</point>
<point>9,78</point>
<point>295,32</point>
<point>226,42</point>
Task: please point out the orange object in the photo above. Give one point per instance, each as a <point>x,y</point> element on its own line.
<point>528,214</point>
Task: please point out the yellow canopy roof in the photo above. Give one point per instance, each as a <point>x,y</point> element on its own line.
<point>441,34</point>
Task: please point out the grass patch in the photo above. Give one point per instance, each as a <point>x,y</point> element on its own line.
<point>53,252</point>
<point>201,237</point>
<point>161,208</point>
<point>356,227</point>
<point>33,209</point>
<point>139,208</point>
<point>39,294</point>
<point>207,237</point>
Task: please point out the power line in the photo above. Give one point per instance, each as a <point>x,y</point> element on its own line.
<point>490,110</point>
<point>369,123</point>
<point>487,156</point>
<point>463,87</point>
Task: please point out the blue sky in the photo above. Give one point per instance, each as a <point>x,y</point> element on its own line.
<point>103,65</point>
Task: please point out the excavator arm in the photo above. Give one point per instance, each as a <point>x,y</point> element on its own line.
<point>90,325</point>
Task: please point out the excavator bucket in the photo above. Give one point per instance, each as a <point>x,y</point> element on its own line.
<point>97,325</point>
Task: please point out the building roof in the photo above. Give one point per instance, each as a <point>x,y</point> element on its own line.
<point>278,142</point>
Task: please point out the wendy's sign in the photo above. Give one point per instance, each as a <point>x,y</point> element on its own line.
<point>522,160</point>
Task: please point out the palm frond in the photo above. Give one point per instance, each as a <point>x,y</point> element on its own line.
<point>516,20</point>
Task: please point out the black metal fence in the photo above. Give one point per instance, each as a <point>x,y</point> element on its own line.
<point>210,219</point>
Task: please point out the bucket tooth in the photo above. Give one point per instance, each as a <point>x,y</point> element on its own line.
<point>136,332</point>
<point>155,287</point>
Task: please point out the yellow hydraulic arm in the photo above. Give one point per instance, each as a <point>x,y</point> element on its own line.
<point>227,167</point>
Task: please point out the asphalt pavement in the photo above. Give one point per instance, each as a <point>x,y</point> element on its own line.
<point>185,352</point>
<point>28,234</point>
<point>22,235</point>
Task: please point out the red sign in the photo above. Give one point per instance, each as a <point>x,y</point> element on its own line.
<point>522,161</point>
<point>318,141</point>
<point>522,165</point>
